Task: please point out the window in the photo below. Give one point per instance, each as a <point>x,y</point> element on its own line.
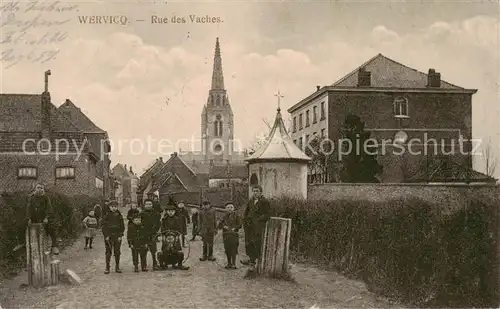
<point>27,172</point>
<point>307,138</point>
<point>322,132</point>
<point>322,111</point>
<point>300,142</point>
<point>315,114</point>
<point>401,107</point>
<point>307,118</point>
<point>65,172</point>
<point>295,142</point>
<point>294,124</point>
<point>218,126</point>
<point>300,122</point>
<point>99,184</point>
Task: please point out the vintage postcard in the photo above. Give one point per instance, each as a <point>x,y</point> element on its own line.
<point>249,154</point>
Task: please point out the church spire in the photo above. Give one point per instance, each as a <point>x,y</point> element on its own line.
<point>217,75</point>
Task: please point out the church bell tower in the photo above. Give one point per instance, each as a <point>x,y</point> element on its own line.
<point>217,117</point>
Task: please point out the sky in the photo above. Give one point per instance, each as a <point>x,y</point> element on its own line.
<point>149,81</point>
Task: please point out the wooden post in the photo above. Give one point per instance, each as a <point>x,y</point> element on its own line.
<point>36,258</point>
<point>54,272</point>
<point>275,249</point>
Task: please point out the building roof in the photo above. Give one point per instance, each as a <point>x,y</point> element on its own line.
<point>145,178</point>
<point>23,113</point>
<point>386,75</point>
<point>120,170</point>
<point>438,172</point>
<point>278,146</point>
<point>163,173</point>
<point>75,114</point>
<point>21,119</point>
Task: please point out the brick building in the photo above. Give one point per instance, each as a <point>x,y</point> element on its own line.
<point>395,102</point>
<point>127,180</point>
<point>38,143</point>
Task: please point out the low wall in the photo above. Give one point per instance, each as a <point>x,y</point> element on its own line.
<point>449,196</point>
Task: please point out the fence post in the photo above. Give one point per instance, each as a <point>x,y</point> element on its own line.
<point>35,256</point>
<point>275,249</point>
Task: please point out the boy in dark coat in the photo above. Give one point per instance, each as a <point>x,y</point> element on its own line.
<point>184,219</point>
<point>39,210</point>
<point>230,225</point>
<point>112,229</point>
<point>171,221</point>
<point>254,221</point>
<point>195,218</point>
<point>132,212</point>
<point>171,253</point>
<point>208,229</point>
<point>137,241</point>
<point>151,220</point>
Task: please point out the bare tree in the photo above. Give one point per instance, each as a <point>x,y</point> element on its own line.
<point>490,159</point>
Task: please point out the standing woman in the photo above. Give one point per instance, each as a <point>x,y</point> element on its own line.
<point>184,219</point>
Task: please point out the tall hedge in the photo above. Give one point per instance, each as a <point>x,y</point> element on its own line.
<point>68,214</point>
<point>406,249</point>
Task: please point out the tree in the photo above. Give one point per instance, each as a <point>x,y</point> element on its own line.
<point>262,138</point>
<point>490,161</point>
<point>360,162</point>
<point>323,160</point>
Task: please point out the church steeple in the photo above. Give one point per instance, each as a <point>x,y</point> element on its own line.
<point>217,75</point>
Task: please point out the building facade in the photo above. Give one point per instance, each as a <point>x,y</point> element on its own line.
<point>39,144</point>
<point>430,118</point>
<point>129,183</point>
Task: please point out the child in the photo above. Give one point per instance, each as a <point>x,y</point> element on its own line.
<point>184,219</point>
<point>151,220</point>
<point>137,241</point>
<point>208,229</point>
<point>171,221</point>
<point>230,225</point>
<point>90,222</point>
<point>195,218</point>
<point>112,229</point>
<point>132,212</point>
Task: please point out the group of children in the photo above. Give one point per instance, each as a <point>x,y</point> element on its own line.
<point>148,225</point>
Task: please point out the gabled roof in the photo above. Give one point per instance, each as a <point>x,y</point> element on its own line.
<point>228,171</point>
<point>279,146</point>
<point>387,73</point>
<point>72,112</point>
<point>439,172</point>
<point>162,174</point>
<point>145,178</point>
<point>119,170</point>
<point>164,178</point>
<point>23,113</point>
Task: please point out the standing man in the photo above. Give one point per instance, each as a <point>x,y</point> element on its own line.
<point>39,210</point>
<point>184,220</point>
<point>151,221</point>
<point>254,221</point>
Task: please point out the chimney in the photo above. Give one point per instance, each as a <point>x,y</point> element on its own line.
<point>433,79</point>
<point>174,154</point>
<point>131,170</point>
<point>125,166</point>
<point>318,87</point>
<point>161,159</point>
<point>364,78</point>
<point>45,108</point>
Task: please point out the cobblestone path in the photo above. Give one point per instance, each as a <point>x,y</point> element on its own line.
<point>204,285</point>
